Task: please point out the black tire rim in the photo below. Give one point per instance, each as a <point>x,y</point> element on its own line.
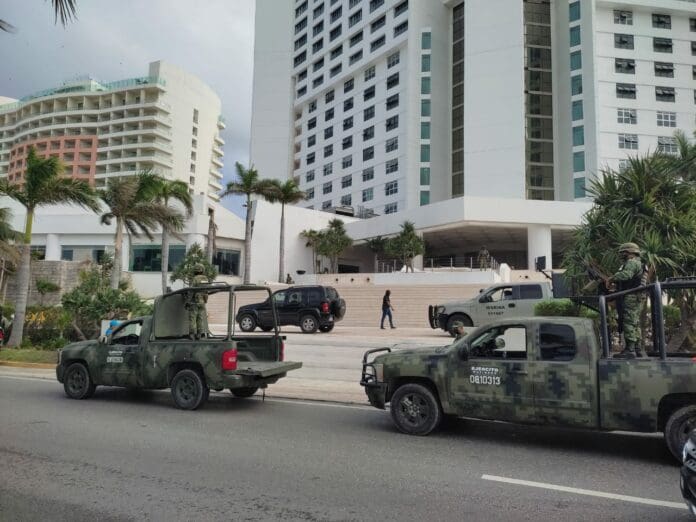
<point>77,381</point>
<point>413,410</point>
<point>186,390</point>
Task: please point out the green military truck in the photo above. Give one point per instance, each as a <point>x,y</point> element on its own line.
<point>156,352</point>
<point>555,371</point>
<point>496,302</point>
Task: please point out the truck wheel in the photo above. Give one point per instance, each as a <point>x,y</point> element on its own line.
<point>677,429</point>
<point>415,409</point>
<point>243,393</point>
<point>456,321</point>
<point>309,324</point>
<point>326,328</point>
<point>77,383</point>
<point>247,323</point>
<point>189,390</point>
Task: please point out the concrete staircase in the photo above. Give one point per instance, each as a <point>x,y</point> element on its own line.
<point>364,303</point>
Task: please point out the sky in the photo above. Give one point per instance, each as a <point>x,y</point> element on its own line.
<point>113,40</point>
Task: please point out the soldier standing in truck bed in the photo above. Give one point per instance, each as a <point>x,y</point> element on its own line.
<point>630,275</point>
<point>196,304</point>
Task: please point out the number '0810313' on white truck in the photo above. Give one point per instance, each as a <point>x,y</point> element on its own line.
<point>500,301</point>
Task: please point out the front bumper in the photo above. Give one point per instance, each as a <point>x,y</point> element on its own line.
<point>375,389</point>
<point>60,370</point>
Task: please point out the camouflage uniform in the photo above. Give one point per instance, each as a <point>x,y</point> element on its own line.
<point>196,305</point>
<point>629,276</point>
<point>484,258</point>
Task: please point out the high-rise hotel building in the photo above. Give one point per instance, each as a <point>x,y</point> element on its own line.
<point>387,105</point>
<point>168,122</point>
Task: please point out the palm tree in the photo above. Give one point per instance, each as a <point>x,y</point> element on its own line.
<point>66,10</point>
<point>312,237</point>
<point>249,184</point>
<point>133,203</point>
<point>287,193</point>
<point>42,186</point>
<point>171,190</point>
<point>9,255</point>
<point>333,241</point>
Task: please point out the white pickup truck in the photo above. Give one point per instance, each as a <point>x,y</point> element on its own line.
<point>501,301</point>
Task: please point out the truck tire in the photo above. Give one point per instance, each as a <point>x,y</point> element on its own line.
<point>456,320</point>
<point>77,382</point>
<point>308,324</point>
<point>677,429</point>
<point>189,390</point>
<point>247,323</point>
<point>326,328</point>
<point>243,393</point>
<point>415,410</point>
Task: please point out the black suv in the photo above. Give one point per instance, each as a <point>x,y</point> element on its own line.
<point>688,473</point>
<point>311,308</point>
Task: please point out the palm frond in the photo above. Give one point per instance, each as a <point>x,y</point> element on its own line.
<point>66,10</point>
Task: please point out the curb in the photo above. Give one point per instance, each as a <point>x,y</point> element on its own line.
<point>17,364</point>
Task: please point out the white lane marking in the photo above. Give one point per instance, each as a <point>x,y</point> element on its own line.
<point>589,492</point>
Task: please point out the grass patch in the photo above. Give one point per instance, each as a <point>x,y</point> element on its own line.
<point>28,355</point>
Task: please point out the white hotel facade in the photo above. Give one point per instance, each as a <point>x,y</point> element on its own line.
<point>509,108</point>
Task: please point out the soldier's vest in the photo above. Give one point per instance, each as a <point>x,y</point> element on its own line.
<point>639,279</point>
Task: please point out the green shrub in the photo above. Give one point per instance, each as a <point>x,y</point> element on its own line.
<point>47,327</point>
<point>556,307</point>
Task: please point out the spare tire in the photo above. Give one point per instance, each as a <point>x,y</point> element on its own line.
<point>338,308</point>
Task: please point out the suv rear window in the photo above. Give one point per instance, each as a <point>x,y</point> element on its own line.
<point>331,293</point>
<point>530,292</point>
<point>313,296</point>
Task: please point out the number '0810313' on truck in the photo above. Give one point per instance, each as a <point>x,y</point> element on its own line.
<point>158,351</point>
<point>555,371</point>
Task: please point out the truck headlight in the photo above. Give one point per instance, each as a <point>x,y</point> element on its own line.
<point>379,372</point>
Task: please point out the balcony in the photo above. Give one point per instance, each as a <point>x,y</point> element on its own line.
<point>219,140</point>
<point>221,122</point>
<point>217,162</point>
<point>216,173</point>
<point>217,150</point>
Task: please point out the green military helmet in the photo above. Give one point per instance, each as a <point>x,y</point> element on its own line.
<point>198,268</point>
<point>630,248</point>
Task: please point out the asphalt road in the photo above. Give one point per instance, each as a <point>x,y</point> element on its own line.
<point>120,456</point>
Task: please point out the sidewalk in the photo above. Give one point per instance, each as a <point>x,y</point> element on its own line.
<point>332,362</point>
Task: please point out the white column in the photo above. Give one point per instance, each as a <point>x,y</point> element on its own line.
<point>53,248</point>
<point>125,253</point>
<point>538,244</point>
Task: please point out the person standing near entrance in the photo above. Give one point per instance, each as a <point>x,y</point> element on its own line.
<point>632,274</point>
<point>387,310</point>
<point>484,258</point>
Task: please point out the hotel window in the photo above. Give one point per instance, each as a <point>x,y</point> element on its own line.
<point>327,188</point>
<point>335,33</point>
<point>392,123</point>
<point>300,41</point>
<point>348,85</point>
<point>626,90</point>
<point>300,58</point>
<point>391,166</point>
<point>664,69</point>
<point>311,123</point>
<point>425,41</point>
<point>401,8</point>
<point>425,176</point>
<point>347,142</point>
<point>576,85</point>
<point>661,21</point>
<point>302,91</point>
<point>375,4</point>
<point>424,197</point>
<point>318,81</point>
<point>328,150</point>
<point>310,193</point>
<point>335,70</point>
<point>662,45</point>
<point>425,85</point>
<point>346,200</point>
<point>356,39</point>
<point>392,60</point>
<point>425,130</point>
<point>379,23</point>
<point>355,57</point>
<point>309,176</point>
<point>391,145</point>
<point>425,63</point>
<point>326,204</point>
<point>328,114</point>
<point>391,188</point>
<point>367,194</point>
<point>577,110</point>
<point>625,66</point>
<point>354,18</point>
<point>317,65</point>
<point>348,104</point>
<point>665,94</point>
<point>368,174</point>
<point>425,108</point>
<point>317,29</point>
<point>575,61</point>
<point>376,44</point>
<point>328,132</point>
<point>578,136</point>
<point>353,3</point>
<point>369,73</point>
<point>369,93</point>
<point>300,25</point>
<point>574,11</point>
<point>311,140</point>
<point>336,14</point>
<point>312,106</point>
<point>390,208</point>
<point>328,169</point>
<point>666,119</point>
<point>623,17</point>
<point>392,101</point>
<point>346,162</point>
<point>623,41</point>
<point>579,187</point>
<point>575,36</point>
<point>393,80</point>
<point>368,133</point>
<point>667,145</point>
<point>300,9</point>
<point>401,28</point>
<point>347,181</point>
<point>318,11</point>
<point>316,46</point>
<point>628,141</point>
<point>578,161</point>
<point>626,116</point>
<point>369,113</point>
<point>329,96</point>
<point>425,153</point>
<point>348,123</point>
<point>336,52</point>
<point>692,25</point>
<point>368,153</point>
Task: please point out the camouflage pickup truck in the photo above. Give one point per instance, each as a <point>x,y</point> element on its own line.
<point>555,371</point>
<point>156,352</point>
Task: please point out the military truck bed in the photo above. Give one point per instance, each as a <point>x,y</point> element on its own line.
<point>265,368</point>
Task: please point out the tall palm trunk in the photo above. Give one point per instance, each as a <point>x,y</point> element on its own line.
<point>247,243</point>
<point>23,276</point>
<point>210,251</point>
<point>281,260</point>
<point>165,257</point>
<point>118,248</point>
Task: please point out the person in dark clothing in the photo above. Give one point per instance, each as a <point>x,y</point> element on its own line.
<point>387,310</point>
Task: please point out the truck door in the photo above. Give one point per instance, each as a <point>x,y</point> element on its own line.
<point>525,297</point>
<point>265,312</point>
<point>120,356</point>
<point>494,382</point>
<point>564,378</point>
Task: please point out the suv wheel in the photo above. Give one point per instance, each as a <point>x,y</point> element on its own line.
<point>677,429</point>
<point>415,409</point>
<point>308,324</point>
<point>326,328</point>
<point>77,383</point>
<point>247,323</point>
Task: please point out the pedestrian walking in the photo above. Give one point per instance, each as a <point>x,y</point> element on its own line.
<point>631,274</point>
<point>387,309</point>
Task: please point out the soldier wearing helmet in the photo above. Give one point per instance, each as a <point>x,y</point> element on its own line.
<point>630,275</point>
<point>196,304</point>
